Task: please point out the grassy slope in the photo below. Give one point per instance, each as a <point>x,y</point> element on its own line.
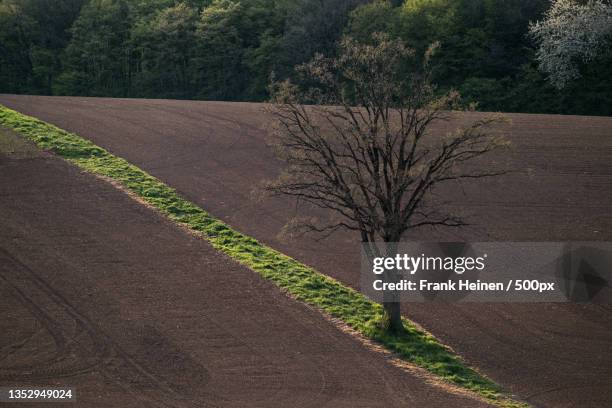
<point>302,282</point>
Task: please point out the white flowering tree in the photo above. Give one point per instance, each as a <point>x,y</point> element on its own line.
<point>571,33</point>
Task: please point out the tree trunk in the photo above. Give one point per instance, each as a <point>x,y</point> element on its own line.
<point>392,318</point>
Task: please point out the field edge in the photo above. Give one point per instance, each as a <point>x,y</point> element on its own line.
<point>301,282</point>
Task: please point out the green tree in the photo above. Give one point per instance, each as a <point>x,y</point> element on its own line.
<point>313,26</point>
<point>33,34</point>
<point>16,37</point>
<point>163,50</point>
<point>97,60</point>
<point>483,42</point>
<point>237,48</point>
<point>220,51</point>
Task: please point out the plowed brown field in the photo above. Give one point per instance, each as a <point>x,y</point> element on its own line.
<point>556,355</point>
<point>99,293</point>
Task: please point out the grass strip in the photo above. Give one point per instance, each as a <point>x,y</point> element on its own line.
<point>300,281</point>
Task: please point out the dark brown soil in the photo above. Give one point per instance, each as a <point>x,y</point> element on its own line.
<point>99,293</point>
<point>556,355</point>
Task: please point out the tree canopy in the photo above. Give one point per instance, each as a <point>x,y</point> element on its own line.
<point>230,49</point>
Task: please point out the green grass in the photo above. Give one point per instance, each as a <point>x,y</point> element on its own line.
<point>300,281</point>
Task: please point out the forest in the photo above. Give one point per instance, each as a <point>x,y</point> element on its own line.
<point>230,50</point>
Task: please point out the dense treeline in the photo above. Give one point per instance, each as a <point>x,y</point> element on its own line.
<point>230,49</point>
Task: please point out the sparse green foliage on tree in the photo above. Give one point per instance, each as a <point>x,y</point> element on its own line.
<point>363,148</point>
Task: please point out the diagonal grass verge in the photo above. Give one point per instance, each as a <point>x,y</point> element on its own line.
<point>303,283</point>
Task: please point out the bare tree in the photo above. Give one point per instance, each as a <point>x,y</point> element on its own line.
<point>357,142</point>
